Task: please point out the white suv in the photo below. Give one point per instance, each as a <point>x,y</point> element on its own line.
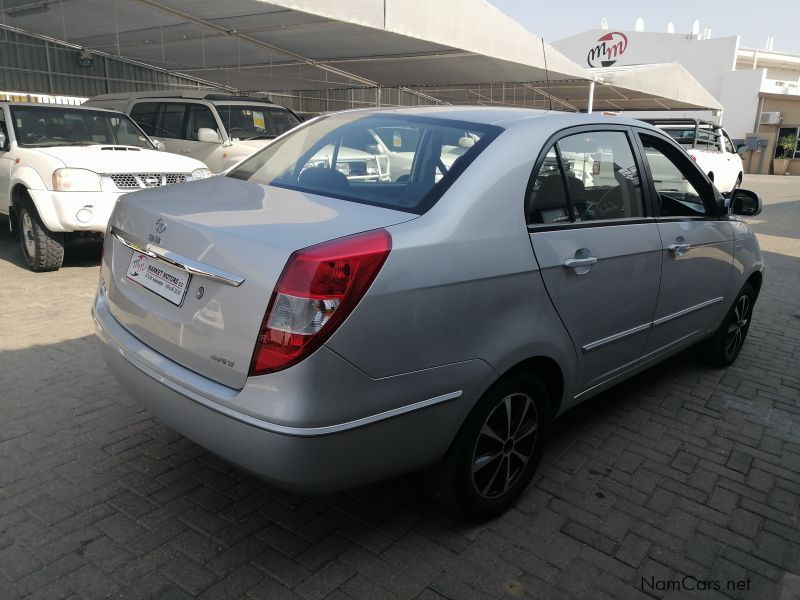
<point>62,169</point>
<point>216,128</point>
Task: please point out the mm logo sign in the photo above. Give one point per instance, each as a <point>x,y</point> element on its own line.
<point>608,49</point>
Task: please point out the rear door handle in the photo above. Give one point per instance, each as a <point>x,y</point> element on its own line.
<point>679,249</point>
<point>576,263</point>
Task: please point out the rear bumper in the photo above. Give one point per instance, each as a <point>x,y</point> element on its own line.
<point>305,457</point>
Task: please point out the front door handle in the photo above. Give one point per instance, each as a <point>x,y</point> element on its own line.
<point>186,149</point>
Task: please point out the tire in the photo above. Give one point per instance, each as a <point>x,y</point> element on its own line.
<point>42,249</point>
<point>721,349</point>
<point>505,466</point>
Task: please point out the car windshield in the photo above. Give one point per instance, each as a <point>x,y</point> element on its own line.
<point>249,122</point>
<point>40,126</point>
<point>395,161</point>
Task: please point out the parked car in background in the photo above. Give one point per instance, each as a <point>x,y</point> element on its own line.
<point>324,332</point>
<point>218,129</point>
<point>62,169</point>
<point>710,147</point>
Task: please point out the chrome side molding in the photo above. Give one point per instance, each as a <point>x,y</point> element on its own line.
<point>182,262</point>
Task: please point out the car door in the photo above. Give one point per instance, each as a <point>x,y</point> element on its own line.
<point>598,250</point>
<point>697,246</point>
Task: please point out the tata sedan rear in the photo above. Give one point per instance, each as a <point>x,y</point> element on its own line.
<point>325,331</point>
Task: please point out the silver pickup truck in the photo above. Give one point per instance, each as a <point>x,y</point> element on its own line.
<point>710,147</point>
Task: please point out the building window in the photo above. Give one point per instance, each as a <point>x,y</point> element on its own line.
<point>788,132</point>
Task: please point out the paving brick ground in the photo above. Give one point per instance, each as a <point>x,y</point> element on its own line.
<point>682,471</point>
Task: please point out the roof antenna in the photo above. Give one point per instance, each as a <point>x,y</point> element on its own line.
<point>547,76</point>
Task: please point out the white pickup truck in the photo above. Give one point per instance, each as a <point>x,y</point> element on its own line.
<point>710,146</point>
<point>62,169</point>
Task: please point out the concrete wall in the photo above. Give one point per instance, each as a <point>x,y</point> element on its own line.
<point>739,97</point>
<point>789,107</point>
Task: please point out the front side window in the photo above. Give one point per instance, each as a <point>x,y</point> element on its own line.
<point>677,181</point>
<point>199,117</point>
<point>256,122</point>
<point>343,156</point>
<point>40,126</point>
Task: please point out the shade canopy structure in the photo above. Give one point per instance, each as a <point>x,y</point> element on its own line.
<point>266,46</point>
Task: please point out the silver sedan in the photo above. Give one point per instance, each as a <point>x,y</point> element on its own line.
<point>324,331</point>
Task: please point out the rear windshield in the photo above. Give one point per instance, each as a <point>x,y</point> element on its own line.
<point>395,161</point>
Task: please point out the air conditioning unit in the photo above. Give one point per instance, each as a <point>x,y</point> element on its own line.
<point>770,118</point>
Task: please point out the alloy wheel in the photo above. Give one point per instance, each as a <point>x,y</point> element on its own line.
<point>737,326</point>
<point>505,445</point>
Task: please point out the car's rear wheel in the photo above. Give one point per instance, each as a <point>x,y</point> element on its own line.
<point>43,249</point>
<point>497,450</point>
<point>724,346</point>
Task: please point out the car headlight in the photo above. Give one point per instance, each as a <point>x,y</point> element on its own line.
<point>75,180</point>
<point>201,174</point>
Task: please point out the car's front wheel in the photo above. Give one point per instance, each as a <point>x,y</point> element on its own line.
<point>724,346</point>
<point>497,450</point>
<point>43,249</point>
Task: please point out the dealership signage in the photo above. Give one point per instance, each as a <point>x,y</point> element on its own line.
<point>607,49</point>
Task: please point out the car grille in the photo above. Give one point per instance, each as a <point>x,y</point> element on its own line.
<point>138,181</point>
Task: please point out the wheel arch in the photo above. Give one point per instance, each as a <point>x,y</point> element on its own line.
<point>551,374</point>
<point>755,280</point>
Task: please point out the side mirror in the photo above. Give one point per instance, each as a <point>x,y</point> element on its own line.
<point>206,134</point>
<point>160,146</point>
<point>3,141</point>
<point>741,148</point>
<point>745,203</point>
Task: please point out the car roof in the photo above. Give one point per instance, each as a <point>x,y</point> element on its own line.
<point>506,117</point>
<point>53,105</point>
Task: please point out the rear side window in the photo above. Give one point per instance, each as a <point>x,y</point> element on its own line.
<point>171,122</point>
<point>145,114</point>
<point>347,156</point>
<point>593,176</point>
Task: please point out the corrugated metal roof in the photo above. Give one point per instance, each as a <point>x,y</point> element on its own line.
<point>255,45</point>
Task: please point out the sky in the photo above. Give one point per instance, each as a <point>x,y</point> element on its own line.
<point>753,20</point>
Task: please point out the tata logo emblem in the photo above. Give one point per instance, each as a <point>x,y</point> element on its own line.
<point>160,226</point>
<point>151,181</point>
<point>608,49</point>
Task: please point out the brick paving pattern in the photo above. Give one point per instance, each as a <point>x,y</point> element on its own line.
<point>682,471</point>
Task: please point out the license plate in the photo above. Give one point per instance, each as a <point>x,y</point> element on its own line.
<point>160,278</point>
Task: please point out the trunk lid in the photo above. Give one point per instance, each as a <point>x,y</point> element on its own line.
<point>236,227</point>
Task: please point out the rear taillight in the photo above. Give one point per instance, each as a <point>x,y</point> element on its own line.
<point>318,288</point>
